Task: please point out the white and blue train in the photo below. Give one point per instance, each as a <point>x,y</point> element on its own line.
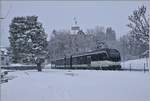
<point>105,59</point>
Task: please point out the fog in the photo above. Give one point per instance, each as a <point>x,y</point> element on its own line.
<point>59,14</point>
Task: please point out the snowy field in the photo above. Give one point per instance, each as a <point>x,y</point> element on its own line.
<point>136,64</point>
<point>79,85</point>
<point>76,85</point>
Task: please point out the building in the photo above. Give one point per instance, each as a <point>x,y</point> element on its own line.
<point>75,28</point>
<point>4,57</point>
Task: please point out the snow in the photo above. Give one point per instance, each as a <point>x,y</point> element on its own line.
<point>48,65</point>
<point>76,85</point>
<point>18,65</point>
<point>3,50</point>
<point>136,64</point>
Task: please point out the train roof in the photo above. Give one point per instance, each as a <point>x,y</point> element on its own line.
<point>91,52</point>
<point>104,50</point>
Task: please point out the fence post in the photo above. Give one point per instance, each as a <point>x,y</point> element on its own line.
<point>65,62</point>
<point>147,60</point>
<point>144,67</point>
<point>130,67</point>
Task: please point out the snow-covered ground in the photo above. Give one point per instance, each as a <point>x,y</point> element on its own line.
<point>76,85</point>
<point>136,64</point>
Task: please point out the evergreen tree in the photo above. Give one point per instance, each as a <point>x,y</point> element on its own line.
<point>28,40</point>
<point>17,36</point>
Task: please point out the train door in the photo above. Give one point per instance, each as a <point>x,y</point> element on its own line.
<point>71,62</point>
<point>89,61</point>
<point>65,62</point>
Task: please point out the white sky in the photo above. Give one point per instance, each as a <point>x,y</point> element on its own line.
<point>59,14</point>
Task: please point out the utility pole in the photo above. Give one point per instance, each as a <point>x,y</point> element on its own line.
<point>123,54</point>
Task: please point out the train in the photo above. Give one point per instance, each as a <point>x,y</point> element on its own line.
<point>102,59</point>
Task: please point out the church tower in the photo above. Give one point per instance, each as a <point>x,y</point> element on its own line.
<point>75,28</point>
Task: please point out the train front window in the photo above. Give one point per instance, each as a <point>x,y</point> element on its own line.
<point>94,57</point>
<point>114,53</point>
<point>102,56</point>
<point>99,57</point>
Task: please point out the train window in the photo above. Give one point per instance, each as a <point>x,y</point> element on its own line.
<point>67,61</point>
<point>94,57</point>
<point>114,53</point>
<point>88,59</point>
<point>81,59</point>
<point>85,60</point>
<point>102,56</point>
<point>75,60</point>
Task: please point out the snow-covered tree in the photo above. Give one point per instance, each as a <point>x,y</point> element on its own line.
<point>139,33</point>
<point>28,40</point>
<point>98,37</point>
<point>124,48</point>
<point>17,36</point>
<point>110,34</point>
<point>62,43</point>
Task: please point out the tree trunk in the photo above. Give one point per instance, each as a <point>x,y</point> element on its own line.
<point>39,67</point>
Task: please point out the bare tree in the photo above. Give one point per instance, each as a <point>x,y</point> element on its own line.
<point>139,25</point>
